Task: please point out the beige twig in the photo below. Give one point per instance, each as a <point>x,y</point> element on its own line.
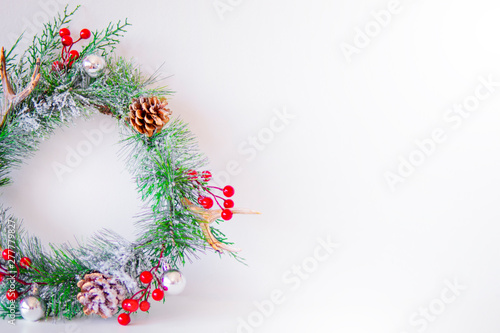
<point>209,216</point>
<point>10,98</point>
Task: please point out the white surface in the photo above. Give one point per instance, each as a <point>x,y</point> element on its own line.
<point>323,174</point>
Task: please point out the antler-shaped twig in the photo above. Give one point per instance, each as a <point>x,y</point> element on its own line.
<point>10,98</point>
<point>209,216</point>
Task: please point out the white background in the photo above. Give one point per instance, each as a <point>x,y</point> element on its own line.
<point>321,176</point>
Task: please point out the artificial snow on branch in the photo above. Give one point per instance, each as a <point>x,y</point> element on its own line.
<point>106,274</point>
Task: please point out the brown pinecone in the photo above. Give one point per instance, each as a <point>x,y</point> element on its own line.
<point>100,294</point>
<point>148,114</point>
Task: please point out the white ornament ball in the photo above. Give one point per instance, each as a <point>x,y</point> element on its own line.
<point>173,282</point>
<point>93,65</point>
<point>32,308</point>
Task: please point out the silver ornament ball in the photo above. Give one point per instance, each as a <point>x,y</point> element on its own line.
<point>32,308</point>
<point>173,282</point>
<point>93,65</point>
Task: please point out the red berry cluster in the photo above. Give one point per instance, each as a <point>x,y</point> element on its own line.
<point>24,263</point>
<point>133,304</point>
<point>204,198</point>
<point>68,55</point>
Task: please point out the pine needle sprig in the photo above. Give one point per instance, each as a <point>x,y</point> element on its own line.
<point>45,44</point>
<point>159,164</point>
<point>105,41</point>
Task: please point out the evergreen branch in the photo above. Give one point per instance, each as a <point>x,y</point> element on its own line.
<point>47,42</point>
<point>159,164</point>
<point>106,41</point>
<point>9,56</point>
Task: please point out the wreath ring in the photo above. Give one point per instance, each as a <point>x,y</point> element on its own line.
<point>48,88</point>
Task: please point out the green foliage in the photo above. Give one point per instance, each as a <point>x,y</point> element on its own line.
<point>44,47</point>
<point>104,42</point>
<point>159,165</point>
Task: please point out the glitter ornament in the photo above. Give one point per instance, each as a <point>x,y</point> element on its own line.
<point>32,307</point>
<point>93,65</point>
<point>173,282</point>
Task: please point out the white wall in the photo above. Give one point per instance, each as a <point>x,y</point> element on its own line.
<point>401,250</point>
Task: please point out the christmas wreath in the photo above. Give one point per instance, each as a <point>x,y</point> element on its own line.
<point>50,85</point>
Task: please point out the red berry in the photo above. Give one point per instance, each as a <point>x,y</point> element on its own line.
<point>207,203</point>
<point>134,305</point>
<point>124,319</point>
<point>57,66</point>
<point>200,199</point>
<point>25,262</point>
<point>146,277</point>
<point>228,203</point>
<point>1,277</point>
<point>67,40</point>
<point>64,32</point>
<point>12,295</point>
<point>73,55</point>
<point>85,33</point>
<point>228,191</point>
<point>126,305</point>
<point>206,175</point>
<point>130,305</point>
<point>144,306</point>
<point>8,254</point>
<point>226,214</point>
<point>157,294</point>
<point>192,174</point>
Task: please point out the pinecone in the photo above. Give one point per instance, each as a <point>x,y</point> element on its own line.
<point>100,294</point>
<point>148,114</point>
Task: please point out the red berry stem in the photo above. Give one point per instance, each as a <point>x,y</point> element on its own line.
<point>67,54</point>
<point>146,294</point>
<point>146,291</point>
<point>6,272</point>
<point>161,256</point>
<point>217,201</point>
<point>142,290</point>
<point>124,318</point>
<point>17,267</point>
<point>24,292</point>
<point>157,280</point>
<point>206,188</point>
<point>67,42</point>
<point>217,188</point>
<point>216,197</point>
<point>18,280</point>
<point>23,282</point>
